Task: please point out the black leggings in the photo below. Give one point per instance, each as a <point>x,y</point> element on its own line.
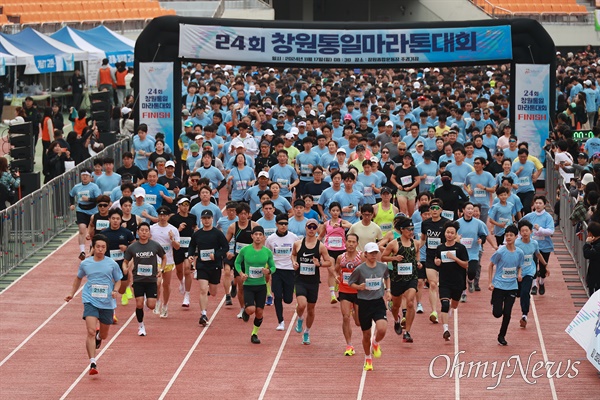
<point>472,269</point>
<point>502,304</point>
<point>282,286</point>
<point>524,293</point>
<point>542,268</point>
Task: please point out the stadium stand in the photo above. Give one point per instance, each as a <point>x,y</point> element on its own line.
<point>523,8</point>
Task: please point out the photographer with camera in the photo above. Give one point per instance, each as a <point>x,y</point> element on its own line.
<point>8,184</point>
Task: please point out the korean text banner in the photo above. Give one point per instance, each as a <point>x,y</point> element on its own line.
<point>373,46</point>
<point>585,329</point>
<point>532,94</point>
<point>156,99</point>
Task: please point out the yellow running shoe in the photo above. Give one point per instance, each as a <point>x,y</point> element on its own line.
<point>115,320</point>
<point>334,299</point>
<point>129,293</point>
<point>368,365</point>
<point>376,350</point>
<point>349,351</point>
<point>124,299</point>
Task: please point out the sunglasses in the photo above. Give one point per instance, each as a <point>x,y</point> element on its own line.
<point>435,208</point>
<point>102,205</point>
<point>401,149</point>
<point>312,227</point>
<point>282,223</point>
<point>410,228</point>
<point>385,152</point>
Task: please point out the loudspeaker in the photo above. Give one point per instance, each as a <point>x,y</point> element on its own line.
<point>30,182</point>
<point>22,146</point>
<point>20,152</point>
<point>100,97</point>
<point>108,138</point>
<point>24,128</point>
<point>18,140</point>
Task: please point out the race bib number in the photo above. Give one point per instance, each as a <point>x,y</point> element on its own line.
<point>239,246</point>
<point>460,184</point>
<point>373,283</point>
<point>305,170</point>
<point>241,185</point>
<point>524,181</point>
<point>166,248</point>
<point>429,180</point>
<point>184,242</point>
<point>316,198</point>
<point>99,291</point>
<point>448,214</point>
<point>405,268</point>
<point>283,182</point>
<point>232,246</point>
<point>102,224</point>
<point>107,193</point>
<point>537,236</point>
<point>171,194</point>
<point>269,231</point>
<point>350,213</point>
<point>151,199</point>
<point>116,255</point>
<point>144,270</point>
<point>479,192</point>
<point>206,253</point>
<point>509,273</point>
<point>504,221</point>
<point>346,277</point>
<point>307,269</point>
<point>284,250</point>
<point>433,243</point>
<point>334,241</point>
<point>445,254</point>
<point>528,260</point>
<point>406,180</point>
<point>255,272</point>
<point>83,193</point>
<point>467,242</point>
<point>386,227</point>
<point>368,191</point>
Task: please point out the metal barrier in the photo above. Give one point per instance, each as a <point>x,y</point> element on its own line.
<point>26,226</point>
<point>572,240</point>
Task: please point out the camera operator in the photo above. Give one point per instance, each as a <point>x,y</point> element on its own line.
<point>8,184</point>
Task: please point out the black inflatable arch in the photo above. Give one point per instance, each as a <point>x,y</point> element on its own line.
<point>159,42</point>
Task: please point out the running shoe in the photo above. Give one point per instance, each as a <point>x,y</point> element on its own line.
<point>142,330</point>
<point>502,341</point>
<point>157,308</point>
<point>542,289</point>
<point>336,287</point>
<point>98,339</point>
<point>419,308</point>
<point>281,326</point>
<point>203,320</point>
<point>376,350</point>
<point>305,338</point>
<point>298,327</point>
<point>334,299</point>
<point>447,336</point>
<point>398,328</point>
<point>124,300</point>
<point>182,286</point>
<point>433,317</point>
<point>254,339</point>
<point>349,351</point>
<point>129,293</point>
<point>164,312</point>
<point>240,315</point>
<point>368,365</point>
<point>115,319</point>
<point>228,301</point>
<point>93,369</point>
<point>471,287</point>
<point>523,322</point>
<point>82,257</point>
<point>463,298</point>
<point>233,290</point>
<point>403,322</point>
<point>186,300</point>
<point>269,301</point>
<point>477,288</point>
<point>245,316</point>
<point>534,291</point>
<point>407,338</point>
<point>389,305</point>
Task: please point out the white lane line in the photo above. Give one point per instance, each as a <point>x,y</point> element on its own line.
<point>279,353</point>
<point>86,370</point>
<point>543,345</point>
<point>191,351</point>
<point>38,264</point>
<point>32,334</point>
<point>456,376</point>
<point>363,377</point>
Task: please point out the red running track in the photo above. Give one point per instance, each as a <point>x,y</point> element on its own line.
<point>42,353</point>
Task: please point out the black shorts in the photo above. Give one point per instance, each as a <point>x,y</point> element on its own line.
<point>149,289</point>
<point>83,218</point>
<point>255,295</point>
<point>212,275</point>
<point>370,311</point>
<point>308,290</point>
<point>351,297</point>
<point>422,272</point>
<point>335,254</point>
<point>450,292</point>
<point>431,265</point>
<point>399,287</point>
<point>179,256</point>
<point>125,277</point>
<point>231,263</point>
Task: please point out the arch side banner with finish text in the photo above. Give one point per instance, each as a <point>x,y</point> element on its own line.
<point>359,47</point>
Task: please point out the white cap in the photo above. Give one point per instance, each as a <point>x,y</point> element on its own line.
<point>198,137</point>
<point>313,113</point>
<point>417,85</point>
<point>139,192</point>
<point>341,150</point>
<point>490,104</point>
<point>294,131</point>
<point>289,135</point>
<point>268,132</point>
<point>419,143</point>
<point>217,66</point>
<point>240,145</point>
<point>271,70</point>
<point>301,123</point>
<point>587,178</point>
<point>263,173</point>
<point>371,247</point>
<point>252,89</point>
<point>183,200</point>
<point>436,69</point>
<point>587,82</point>
<point>228,68</point>
<point>389,123</point>
<point>374,159</point>
<point>489,74</point>
<point>125,110</point>
<point>411,71</point>
<point>170,163</point>
<point>426,70</point>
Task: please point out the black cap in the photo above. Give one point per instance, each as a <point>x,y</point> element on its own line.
<point>477,111</point>
<point>258,229</point>
<point>386,189</point>
<point>206,214</point>
<point>163,210</point>
<point>360,147</point>
<point>582,155</point>
<point>427,154</point>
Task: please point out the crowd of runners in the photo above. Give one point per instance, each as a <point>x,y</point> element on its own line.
<point>384,185</point>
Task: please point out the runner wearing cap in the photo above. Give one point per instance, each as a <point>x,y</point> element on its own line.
<point>252,194</point>
<point>265,159</point>
<point>452,259</point>
<point>208,247</point>
<point>99,221</point>
<point>344,266</point>
<point>253,263</point>
<point>102,286</point>
<point>83,199</point>
<point>167,236</point>
<point>308,257</point>
<point>186,224</point>
<point>372,281</point>
<point>141,209</point>
<point>172,183</point>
